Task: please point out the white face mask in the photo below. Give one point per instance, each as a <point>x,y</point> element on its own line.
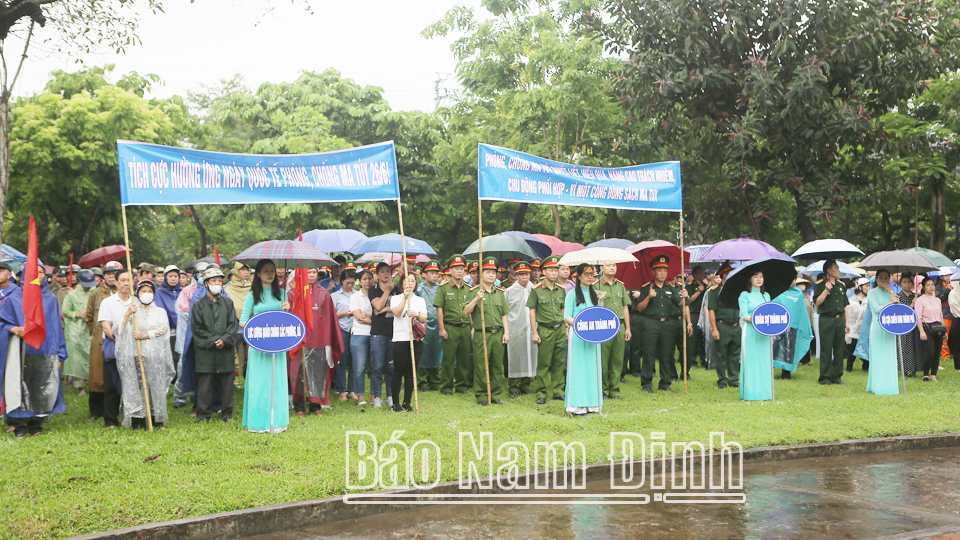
<point>146,298</point>
<point>216,290</point>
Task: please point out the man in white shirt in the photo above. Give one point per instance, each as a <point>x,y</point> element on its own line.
<point>111,314</point>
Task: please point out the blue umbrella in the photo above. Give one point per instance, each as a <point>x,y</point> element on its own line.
<point>539,246</point>
<point>333,240</point>
<point>846,271</point>
<point>8,255</point>
<point>696,253</point>
<point>618,243</point>
<point>392,243</point>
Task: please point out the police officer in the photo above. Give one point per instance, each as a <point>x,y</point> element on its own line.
<point>451,298</point>
<point>831,301</point>
<point>725,329</point>
<point>661,306</point>
<point>633,349</point>
<point>494,321</point>
<point>611,352</point>
<point>546,317</point>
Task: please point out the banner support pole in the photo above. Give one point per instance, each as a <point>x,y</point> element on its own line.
<point>413,356</point>
<point>148,412</point>
<point>483,322</point>
<point>686,306</point>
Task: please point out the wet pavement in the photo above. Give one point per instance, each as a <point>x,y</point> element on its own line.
<point>901,496</point>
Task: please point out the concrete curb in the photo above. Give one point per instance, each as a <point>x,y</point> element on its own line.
<point>285,516</point>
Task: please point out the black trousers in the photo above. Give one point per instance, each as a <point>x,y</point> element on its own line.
<point>112,388</point>
<point>25,426</point>
<point>213,388</point>
<point>95,401</point>
<point>931,352</point>
<point>403,371</point>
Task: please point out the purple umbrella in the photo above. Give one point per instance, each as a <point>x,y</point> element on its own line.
<point>285,254</point>
<point>743,249</point>
<point>333,240</point>
<point>539,246</point>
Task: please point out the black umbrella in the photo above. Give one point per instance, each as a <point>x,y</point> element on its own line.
<point>778,274</point>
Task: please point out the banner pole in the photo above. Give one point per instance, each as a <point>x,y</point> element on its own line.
<point>413,356</point>
<point>148,412</point>
<point>686,306</point>
<point>483,322</point>
<point>70,275</point>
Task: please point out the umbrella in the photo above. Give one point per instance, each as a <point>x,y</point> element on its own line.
<point>944,271</point>
<point>548,239</point>
<point>102,255</point>
<point>285,253</point>
<point>597,255</point>
<point>539,246</point>
<point>829,248</point>
<point>696,253</point>
<point>637,274</point>
<point>209,260</point>
<point>10,255</point>
<point>618,243</point>
<point>333,240</point>
<point>846,271</point>
<point>935,257</point>
<point>392,243</point>
<point>898,261</point>
<point>743,249</point>
<point>778,274</point>
<point>502,247</point>
<point>389,258</point>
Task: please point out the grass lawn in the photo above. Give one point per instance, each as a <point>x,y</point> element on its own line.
<point>79,477</point>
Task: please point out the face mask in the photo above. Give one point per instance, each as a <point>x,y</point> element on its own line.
<point>146,298</point>
<point>216,290</point>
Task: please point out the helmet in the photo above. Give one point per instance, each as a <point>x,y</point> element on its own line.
<point>212,272</point>
<point>112,266</point>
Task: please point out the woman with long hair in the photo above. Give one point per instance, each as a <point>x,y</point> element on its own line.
<point>362,312</point>
<point>929,317</point>
<point>261,403</point>
<point>583,393</point>
<point>404,306</point>
<point>882,377</point>
<point>855,314</point>
<point>756,361</point>
<point>911,347</point>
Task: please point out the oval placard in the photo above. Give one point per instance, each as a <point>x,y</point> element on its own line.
<point>770,319</point>
<point>596,324</point>
<point>274,331</point>
<point>898,319</point>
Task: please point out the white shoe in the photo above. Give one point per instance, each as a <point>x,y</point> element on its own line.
<point>376,403</point>
<point>389,401</point>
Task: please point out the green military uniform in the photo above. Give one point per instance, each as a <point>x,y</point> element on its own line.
<point>495,308</point>
<point>695,346</point>
<point>661,318</point>
<point>832,330</point>
<point>633,349</point>
<point>456,370</point>
<point>726,349</point>
<point>552,351</point>
<point>611,352</point>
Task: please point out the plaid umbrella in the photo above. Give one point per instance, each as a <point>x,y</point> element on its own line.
<point>285,254</point>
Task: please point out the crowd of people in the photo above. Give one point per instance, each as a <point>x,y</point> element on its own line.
<point>493,329</point>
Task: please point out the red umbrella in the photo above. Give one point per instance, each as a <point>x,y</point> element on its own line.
<point>548,239</point>
<point>638,274</point>
<point>102,255</point>
<point>562,248</point>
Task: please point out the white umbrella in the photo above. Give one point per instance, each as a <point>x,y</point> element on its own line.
<point>829,248</point>
<point>597,255</point>
<point>846,271</point>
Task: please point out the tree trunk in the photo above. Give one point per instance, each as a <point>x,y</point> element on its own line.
<point>938,214</point>
<point>80,244</point>
<point>4,157</point>
<point>614,227</point>
<point>906,239</point>
<point>201,230</point>
<point>519,216</point>
<point>556,221</point>
<point>804,223</point>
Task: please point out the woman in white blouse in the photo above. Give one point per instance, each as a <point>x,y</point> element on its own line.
<point>405,306</point>
<point>360,336</point>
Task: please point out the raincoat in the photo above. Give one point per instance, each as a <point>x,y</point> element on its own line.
<point>158,365</point>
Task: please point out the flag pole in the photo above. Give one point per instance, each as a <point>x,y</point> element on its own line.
<point>70,274</point>
<point>413,356</point>
<point>686,307</point>
<point>148,412</point>
<point>483,322</point>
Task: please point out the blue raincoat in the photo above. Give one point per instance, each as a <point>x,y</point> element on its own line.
<point>790,346</point>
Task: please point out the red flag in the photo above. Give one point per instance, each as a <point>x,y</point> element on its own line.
<point>34,324</point>
<point>216,256</point>
<point>301,302</point>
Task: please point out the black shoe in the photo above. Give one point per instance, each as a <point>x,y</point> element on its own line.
<point>648,390</point>
<point>497,402</point>
<point>513,395</point>
<point>623,380</point>
<point>560,398</point>
<point>841,383</point>
<point>671,390</point>
<point>689,378</point>
<point>397,408</point>
<point>447,393</point>
<point>482,403</point>
<point>541,401</point>
<point>461,391</point>
<point>526,392</point>
<point>179,405</point>
<point>721,385</point>
<point>615,397</point>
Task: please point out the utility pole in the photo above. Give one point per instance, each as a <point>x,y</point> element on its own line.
<point>439,91</point>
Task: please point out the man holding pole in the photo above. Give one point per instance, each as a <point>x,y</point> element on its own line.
<point>111,314</point>
<point>611,351</point>
<point>454,325</point>
<point>546,317</point>
<point>725,331</point>
<point>662,308</point>
<point>490,323</point>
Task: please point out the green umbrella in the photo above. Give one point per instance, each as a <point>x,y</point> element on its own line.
<point>935,257</point>
<point>502,247</point>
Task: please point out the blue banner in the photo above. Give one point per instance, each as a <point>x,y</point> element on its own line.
<point>151,174</point>
<point>770,319</point>
<point>597,324</point>
<point>898,319</point>
<point>274,331</point>
<point>508,175</point>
